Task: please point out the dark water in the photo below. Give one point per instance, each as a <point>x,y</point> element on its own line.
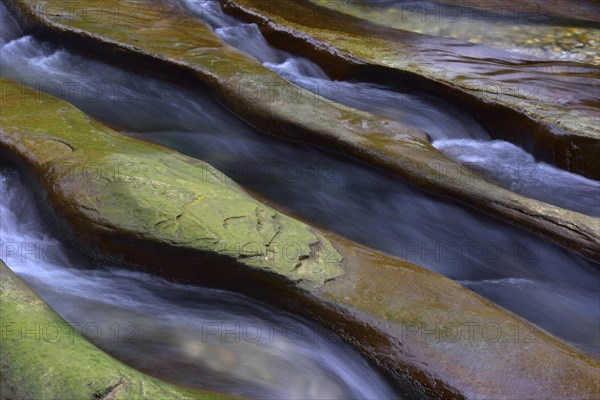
<point>195,336</point>
<point>545,284</point>
<point>454,133</point>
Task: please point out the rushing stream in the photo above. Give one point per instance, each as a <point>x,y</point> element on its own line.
<point>198,337</point>
<point>545,284</point>
<point>453,132</point>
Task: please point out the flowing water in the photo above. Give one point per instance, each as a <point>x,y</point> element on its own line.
<point>413,110</point>
<point>551,287</point>
<point>452,132</point>
<point>197,337</point>
<point>517,170</point>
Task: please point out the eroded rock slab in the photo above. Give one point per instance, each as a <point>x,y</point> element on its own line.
<point>432,337</point>
<point>102,177</point>
<point>549,107</point>
<point>142,33</point>
<point>521,27</point>
<point>43,357</point>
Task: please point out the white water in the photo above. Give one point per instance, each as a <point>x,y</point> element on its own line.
<point>413,110</point>
<point>512,167</point>
<point>339,195</point>
<point>195,336</point>
<point>448,127</point>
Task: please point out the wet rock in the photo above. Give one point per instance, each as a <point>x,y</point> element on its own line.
<point>567,10</point>
<point>514,97</point>
<point>511,28</point>
<point>96,179</point>
<point>433,338</point>
<point>43,357</point>
<point>177,44</point>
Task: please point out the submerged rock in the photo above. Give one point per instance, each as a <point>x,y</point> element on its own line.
<point>568,10</point>
<point>431,336</point>
<point>43,357</point>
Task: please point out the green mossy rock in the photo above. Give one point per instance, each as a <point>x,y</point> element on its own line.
<point>122,185</point>
<point>43,357</point>
<point>383,306</point>
<point>160,34</point>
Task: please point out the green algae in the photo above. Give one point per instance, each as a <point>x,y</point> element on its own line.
<point>102,181</point>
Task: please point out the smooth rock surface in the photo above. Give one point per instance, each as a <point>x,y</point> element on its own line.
<point>432,337</point>
<point>143,32</point>
<point>549,107</point>
<point>104,178</point>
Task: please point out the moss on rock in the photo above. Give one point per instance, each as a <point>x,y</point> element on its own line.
<point>142,32</point>
<point>119,184</point>
<point>43,357</point>
<point>175,205</point>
